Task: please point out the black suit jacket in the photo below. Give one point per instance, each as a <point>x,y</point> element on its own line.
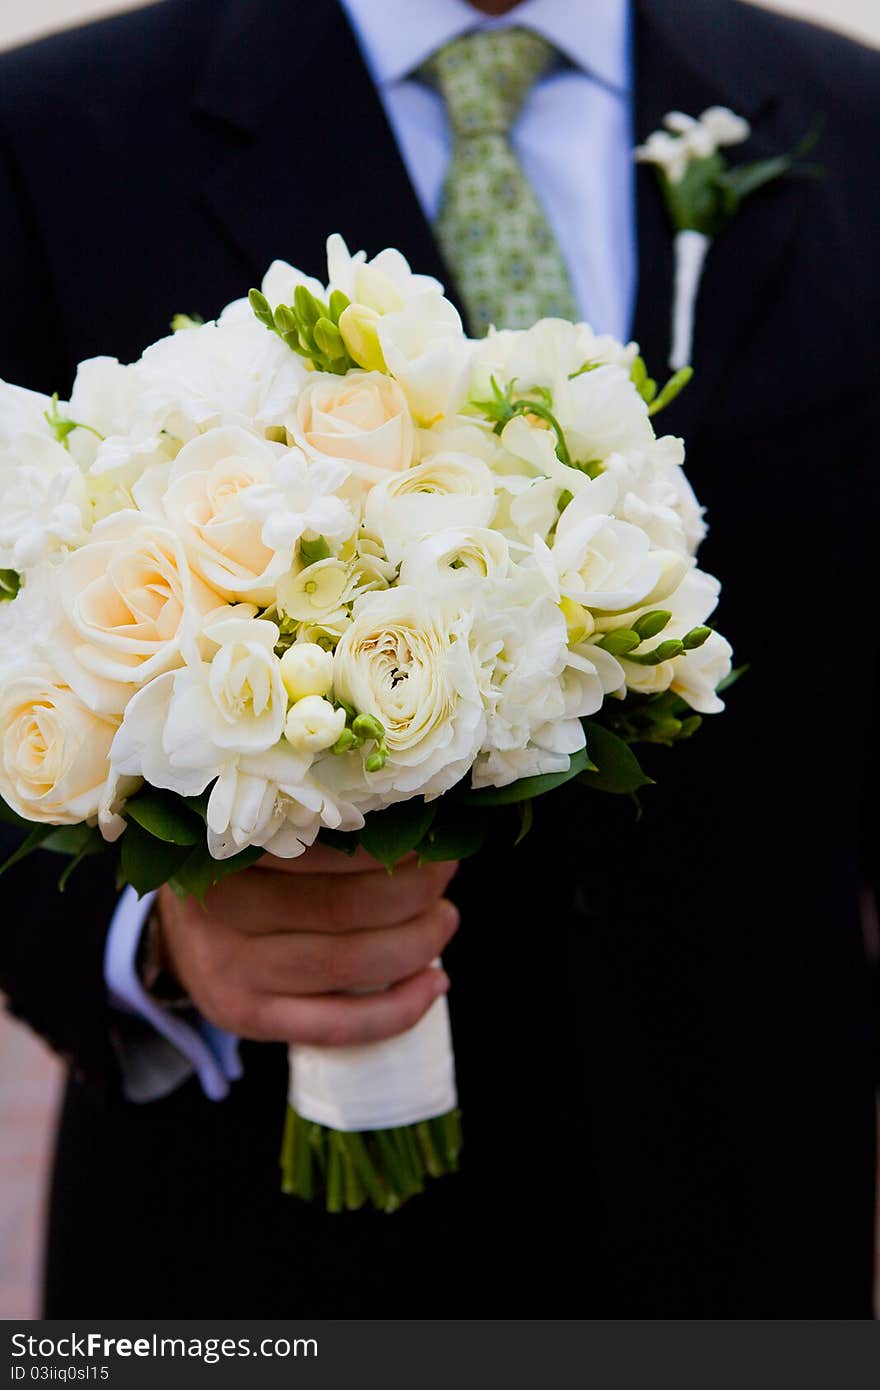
<point>662,1025</point>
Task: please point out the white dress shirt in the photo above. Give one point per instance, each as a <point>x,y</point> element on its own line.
<point>574,140</point>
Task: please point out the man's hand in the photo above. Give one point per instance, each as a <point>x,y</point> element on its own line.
<point>276,949</point>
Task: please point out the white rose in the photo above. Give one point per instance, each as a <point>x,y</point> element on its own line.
<point>444,492</point>
<point>240,504</point>
<point>406,660</point>
<point>426,351</point>
<point>313,724</point>
<point>130,609</point>
<point>362,419</point>
<point>54,753</point>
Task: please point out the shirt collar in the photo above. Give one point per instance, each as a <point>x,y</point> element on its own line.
<point>396,36</point>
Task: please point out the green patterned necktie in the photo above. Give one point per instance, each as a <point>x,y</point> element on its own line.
<point>492,230</point>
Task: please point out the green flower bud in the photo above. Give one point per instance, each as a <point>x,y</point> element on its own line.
<point>621,641</point>
<point>649,624</point>
<point>695,638</point>
<point>367,726</point>
<point>376,761</point>
<point>344,743</point>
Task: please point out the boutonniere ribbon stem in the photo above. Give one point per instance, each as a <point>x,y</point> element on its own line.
<point>703,193</point>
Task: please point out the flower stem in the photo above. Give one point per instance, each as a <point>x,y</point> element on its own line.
<point>380,1168</point>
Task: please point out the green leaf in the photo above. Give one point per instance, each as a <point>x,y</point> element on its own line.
<point>528,787</point>
<point>526,820</point>
<point>674,386</point>
<point>389,835</point>
<point>346,841</point>
<point>33,841</point>
<point>731,679</point>
<point>10,817</point>
<point>313,551</point>
<point>71,839</point>
<point>10,583</point>
<point>166,816</point>
<point>199,871</point>
<point>146,862</point>
<point>745,179</point>
<point>616,766</point>
<point>452,841</point>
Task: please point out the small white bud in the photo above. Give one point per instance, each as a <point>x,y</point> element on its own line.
<point>306,669</point>
<point>313,724</point>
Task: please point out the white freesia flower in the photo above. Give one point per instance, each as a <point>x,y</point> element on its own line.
<point>361,419</point>
<point>654,493</point>
<point>306,669</point>
<point>54,754</point>
<point>407,661</point>
<point>313,724</point>
<point>385,284</point>
<point>129,608</point>
<point>426,351</point>
<point>222,721</point>
<point>240,504</point>
<point>687,139</point>
<point>695,674</point>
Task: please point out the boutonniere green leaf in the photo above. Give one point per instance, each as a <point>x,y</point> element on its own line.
<point>703,194</point>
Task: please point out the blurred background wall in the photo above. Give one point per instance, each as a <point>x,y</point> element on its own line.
<point>29,1076</point>
<point>22,19</point>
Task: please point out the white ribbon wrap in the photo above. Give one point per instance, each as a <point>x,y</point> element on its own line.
<point>690,256</point>
<point>378,1085</point>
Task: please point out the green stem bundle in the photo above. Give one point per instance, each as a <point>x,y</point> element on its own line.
<point>382,1167</point>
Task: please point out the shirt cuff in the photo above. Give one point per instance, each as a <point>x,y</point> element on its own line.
<point>159,1047</point>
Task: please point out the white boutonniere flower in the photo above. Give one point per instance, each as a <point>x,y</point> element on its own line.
<point>703,194</point>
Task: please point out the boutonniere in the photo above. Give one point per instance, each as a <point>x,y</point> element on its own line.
<point>703,194</point>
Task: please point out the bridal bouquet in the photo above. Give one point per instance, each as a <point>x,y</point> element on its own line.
<point>327,567</point>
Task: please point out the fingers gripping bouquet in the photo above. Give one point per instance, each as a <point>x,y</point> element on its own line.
<point>327,567</point>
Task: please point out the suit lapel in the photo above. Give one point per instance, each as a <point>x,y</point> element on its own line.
<point>688,57</point>
<point>308,147</point>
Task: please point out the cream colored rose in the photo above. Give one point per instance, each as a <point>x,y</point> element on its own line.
<point>241,504</point>
<point>129,606</point>
<point>54,763</point>
<point>362,419</point>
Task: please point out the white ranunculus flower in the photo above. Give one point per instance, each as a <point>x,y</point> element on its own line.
<point>54,754</point>
<point>129,609</point>
<point>406,660</point>
<point>384,284</point>
<point>602,563</point>
<point>426,351</point>
<point>456,556</point>
<point>240,504</point>
<point>444,492</point>
<point>361,419</point>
